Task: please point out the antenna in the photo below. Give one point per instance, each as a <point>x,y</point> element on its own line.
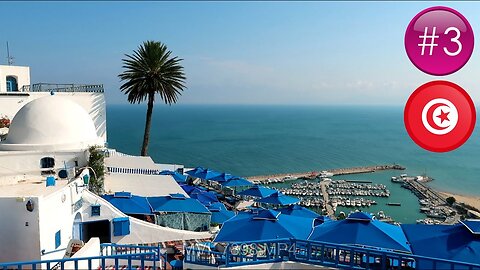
<point>9,58</point>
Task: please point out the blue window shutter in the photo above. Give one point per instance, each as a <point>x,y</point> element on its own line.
<point>58,239</point>
<point>121,226</point>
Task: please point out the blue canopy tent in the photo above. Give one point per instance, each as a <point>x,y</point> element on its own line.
<point>220,214</point>
<point>177,176</point>
<point>178,212</point>
<point>459,242</point>
<point>257,191</point>
<point>360,229</point>
<point>297,210</point>
<point>223,177</point>
<point>263,225</point>
<point>279,199</point>
<point>129,204</point>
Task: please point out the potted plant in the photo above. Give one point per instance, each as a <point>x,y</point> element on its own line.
<point>214,227</point>
<point>4,126</point>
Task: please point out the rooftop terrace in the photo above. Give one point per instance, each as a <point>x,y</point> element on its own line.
<point>55,87</point>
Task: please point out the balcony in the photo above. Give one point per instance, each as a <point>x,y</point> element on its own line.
<point>66,88</point>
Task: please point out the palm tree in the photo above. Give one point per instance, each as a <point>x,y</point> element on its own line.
<point>148,71</point>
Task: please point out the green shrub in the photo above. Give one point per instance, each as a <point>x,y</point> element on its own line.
<point>96,162</point>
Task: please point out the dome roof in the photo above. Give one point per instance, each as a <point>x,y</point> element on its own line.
<point>51,123</point>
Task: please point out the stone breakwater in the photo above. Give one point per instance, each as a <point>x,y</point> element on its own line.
<point>278,178</point>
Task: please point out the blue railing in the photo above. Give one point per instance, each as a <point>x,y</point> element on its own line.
<point>127,260</point>
<point>317,253</point>
<point>112,255</point>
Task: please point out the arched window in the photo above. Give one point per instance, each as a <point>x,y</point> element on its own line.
<point>12,85</point>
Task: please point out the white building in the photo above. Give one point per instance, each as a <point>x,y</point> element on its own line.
<point>44,200</point>
<point>16,91</point>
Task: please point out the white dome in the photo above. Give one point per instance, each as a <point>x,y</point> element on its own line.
<point>51,123</point>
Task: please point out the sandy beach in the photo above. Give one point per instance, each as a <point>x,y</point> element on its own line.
<point>473,201</point>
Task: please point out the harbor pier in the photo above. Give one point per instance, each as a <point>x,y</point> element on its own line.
<point>276,178</point>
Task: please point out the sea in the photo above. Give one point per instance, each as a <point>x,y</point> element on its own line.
<point>249,140</point>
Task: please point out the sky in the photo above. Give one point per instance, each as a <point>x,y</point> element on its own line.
<point>316,53</point>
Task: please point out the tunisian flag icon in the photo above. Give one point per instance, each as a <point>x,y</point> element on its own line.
<point>439,116</point>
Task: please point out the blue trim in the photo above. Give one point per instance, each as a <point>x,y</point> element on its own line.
<point>121,226</point>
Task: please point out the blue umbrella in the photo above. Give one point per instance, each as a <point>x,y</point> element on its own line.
<point>459,242</point>
<point>177,176</point>
<point>195,171</point>
<point>223,177</point>
<point>320,220</point>
<point>279,198</point>
<point>202,173</point>
<point>257,191</point>
<point>191,189</point>
<point>263,225</point>
<point>297,210</point>
<point>360,229</point>
<point>220,214</point>
<point>205,197</point>
<point>237,182</point>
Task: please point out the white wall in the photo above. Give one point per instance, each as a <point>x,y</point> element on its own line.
<point>90,249</point>
<point>18,241</point>
<point>21,73</point>
<point>14,165</point>
<point>56,213</point>
<point>93,103</point>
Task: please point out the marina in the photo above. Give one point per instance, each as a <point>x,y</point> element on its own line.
<point>433,205</point>
<point>326,195</point>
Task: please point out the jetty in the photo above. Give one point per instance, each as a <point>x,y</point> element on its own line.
<point>365,169</point>
<point>432,203</point>
<point>278,178</point>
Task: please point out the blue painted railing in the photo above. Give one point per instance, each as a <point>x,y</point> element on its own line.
<point>60,263</point>
<point>112,255</point>
<point>317,253</point>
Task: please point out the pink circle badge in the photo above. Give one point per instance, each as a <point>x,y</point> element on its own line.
<point>439,41</point>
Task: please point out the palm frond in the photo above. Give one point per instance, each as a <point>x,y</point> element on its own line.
<point>152,69</point>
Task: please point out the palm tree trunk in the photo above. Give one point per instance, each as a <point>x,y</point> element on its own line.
<point>148,123</point>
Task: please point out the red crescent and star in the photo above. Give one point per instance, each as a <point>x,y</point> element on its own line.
<point>443,116</point>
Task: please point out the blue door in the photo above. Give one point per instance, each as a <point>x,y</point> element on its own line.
<point>12,85</point>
